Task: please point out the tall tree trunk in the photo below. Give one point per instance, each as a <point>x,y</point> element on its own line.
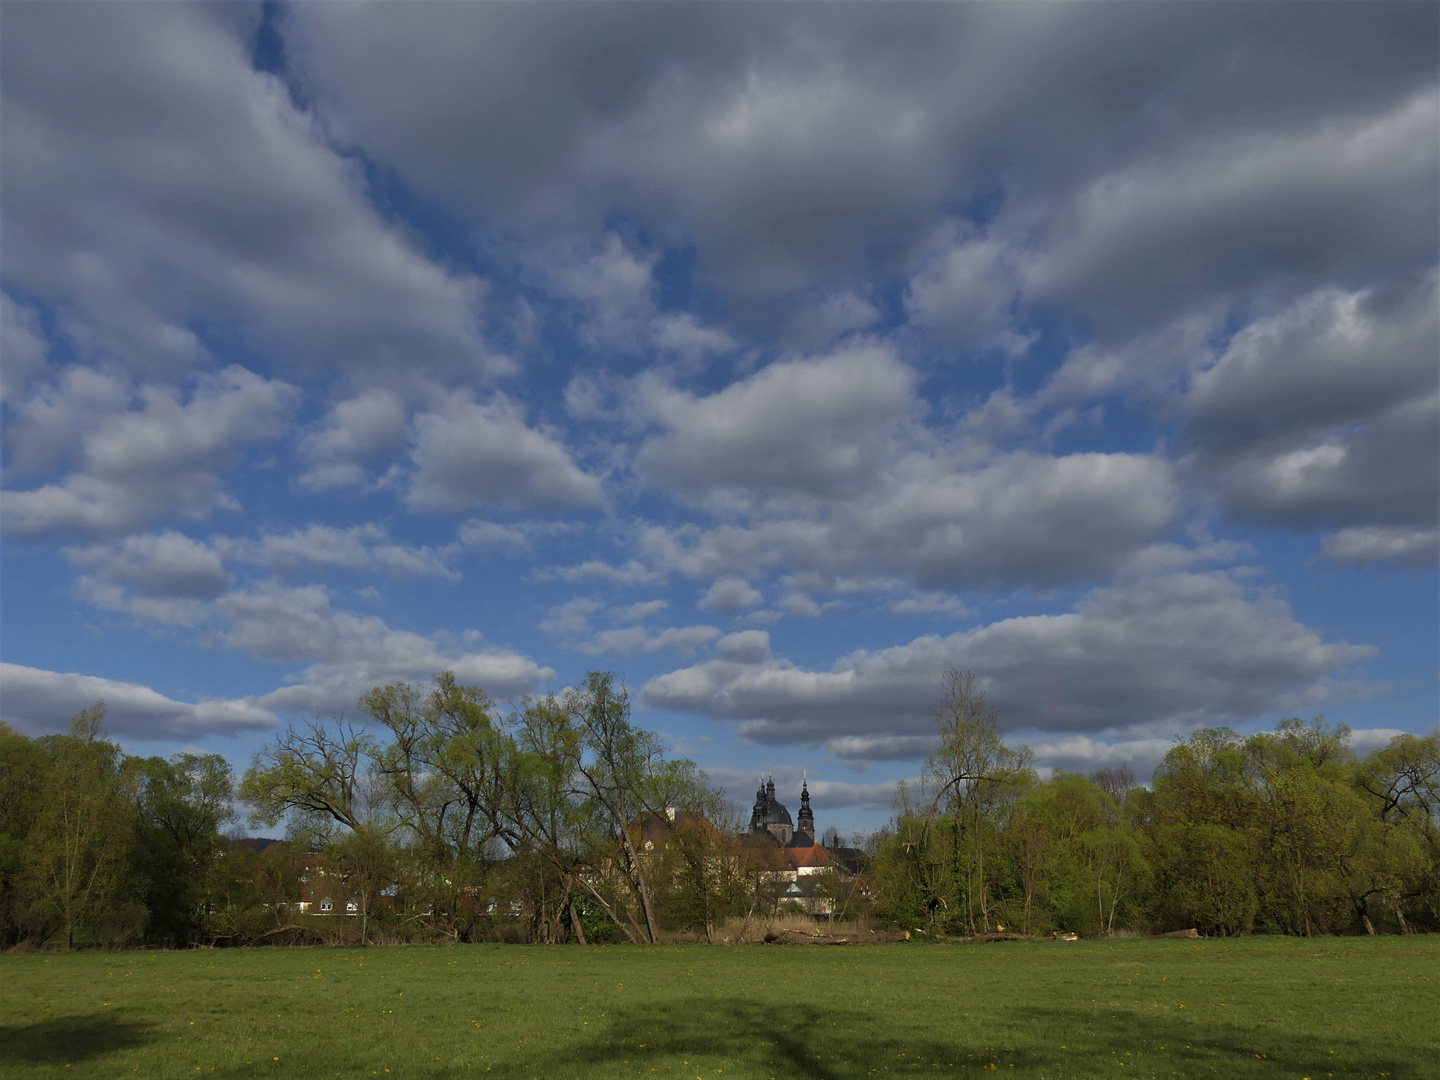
<point>575,922</point>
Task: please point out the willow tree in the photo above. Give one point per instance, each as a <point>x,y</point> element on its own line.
<point>971,774</point>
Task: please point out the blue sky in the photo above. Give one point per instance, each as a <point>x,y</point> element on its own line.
<point>776,357</point>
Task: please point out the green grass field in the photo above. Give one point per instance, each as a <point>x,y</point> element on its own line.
<point>1257,1007</point>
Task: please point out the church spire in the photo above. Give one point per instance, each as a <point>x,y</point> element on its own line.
<point>805,820</point>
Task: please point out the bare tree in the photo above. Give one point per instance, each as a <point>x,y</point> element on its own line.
<point>1116,782</point>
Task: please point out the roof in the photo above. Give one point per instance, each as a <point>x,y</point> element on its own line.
<point>814,855</point>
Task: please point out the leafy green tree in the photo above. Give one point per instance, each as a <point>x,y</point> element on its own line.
<point>972,774</point>
<point>76,865</point>
<point>181,805</point>
<point>24,771</point>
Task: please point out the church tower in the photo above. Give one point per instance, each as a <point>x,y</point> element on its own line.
<point>805,822</point>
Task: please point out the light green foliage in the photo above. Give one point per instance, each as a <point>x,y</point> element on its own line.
<point>1239,1009</point>
<point>74,867</point>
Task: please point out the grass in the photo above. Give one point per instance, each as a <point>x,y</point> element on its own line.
<point>1257,1007</point>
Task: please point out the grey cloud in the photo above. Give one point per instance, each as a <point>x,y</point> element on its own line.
<point>745,647</point>
<point>153,179</point>
<point>1387,470</point>
<point>164,578</point>
<point>159,460</point>
<point>795,142</point>
<point>817,426</point>
<point>966,291</point>
<point>1335,200</point>
<point>1021,519</point>
<point>1174,646</point>
<point>469,454</point>
<point>1326,411</point>
<point>41,702</point>
<point>22,348</point>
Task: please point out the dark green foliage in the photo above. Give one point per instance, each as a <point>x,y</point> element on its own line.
<point>1281,832</point>
<point>444,819</point>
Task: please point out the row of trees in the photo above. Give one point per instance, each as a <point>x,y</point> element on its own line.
<point>440,816</point>
<point>1287,831</point>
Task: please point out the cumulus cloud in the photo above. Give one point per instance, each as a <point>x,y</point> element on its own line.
<point>818,425</point>
<point>1330,200</point>
<point>1022,519</point>
<point>347,653</point>
<point>41,703</point>
<point>730,594</point>
<point>571,622</point>
<point>631,573</point>
<point>794,144</point>
<point>1158,646</point>
<point>467,454</point>
<point>1417,548</point>
<point>633,640</point>
<point>165,578</point>
<point>155,180</point>
<point>22,348</point>
<point>965,292</point>
<point>353,432</point>
<point>161,457</point>
<point>325,547</point>
<point>1327,411</point>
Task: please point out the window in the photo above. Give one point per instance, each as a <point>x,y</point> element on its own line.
<point>351,907</point>
<point>327,905</point>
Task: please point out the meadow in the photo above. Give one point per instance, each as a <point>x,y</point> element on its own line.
<point>1237,1008</point>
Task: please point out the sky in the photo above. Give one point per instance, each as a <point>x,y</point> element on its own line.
<point>776,357</point>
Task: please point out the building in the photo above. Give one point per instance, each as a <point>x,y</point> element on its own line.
<point>771,816</point>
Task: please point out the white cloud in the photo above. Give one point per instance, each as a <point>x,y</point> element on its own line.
<point>818,426</point>
<point>571,621</point>
<point>468,454</point>
<point>643,610</point>
<point>1167,645</point>
<point>927,603</point>
<point>730,594</point>
<point>162,459</point>
<point>355,431</point>
<point>1402,545</point>
<point>631,573</point>
<point>572,618</point>
<point>42,702</point>
<point>325,547</point>
<point>633,640</point>
<point>350,653</point>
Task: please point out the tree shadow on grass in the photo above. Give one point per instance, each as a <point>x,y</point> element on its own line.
<point>797,1041</point>
<point>68,1039</point>
<point>1231,1049</point>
